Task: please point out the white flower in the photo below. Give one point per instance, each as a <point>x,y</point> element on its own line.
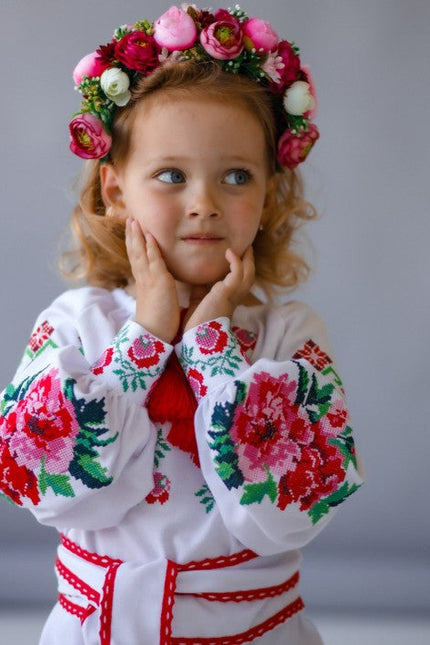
<point>298,98</point>
<point>115,83</point>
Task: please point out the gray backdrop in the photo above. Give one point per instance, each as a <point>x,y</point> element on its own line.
<point>369,177</point>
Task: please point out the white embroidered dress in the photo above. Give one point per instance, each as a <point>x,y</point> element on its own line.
<point>155,549</point>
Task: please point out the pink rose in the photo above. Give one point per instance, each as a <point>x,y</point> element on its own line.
<point>90,65</point>
<point>261,34</point>
<point>138,51</point>
<point>291,67</point>
<point>223,39</point>
<point>294,148</point>
<point>88,138</point>
<point>175,30</point>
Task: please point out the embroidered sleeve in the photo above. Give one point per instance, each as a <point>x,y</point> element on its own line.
<point>275,443</point>
<point>210,354</point>
<point>70,430</point>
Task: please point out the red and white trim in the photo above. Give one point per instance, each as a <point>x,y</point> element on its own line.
<point>104,598</point>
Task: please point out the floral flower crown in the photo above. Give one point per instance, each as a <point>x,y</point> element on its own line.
<point>240,45</point>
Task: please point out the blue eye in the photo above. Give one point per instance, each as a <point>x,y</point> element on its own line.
<point>172,176</point>
<point>237,177</point>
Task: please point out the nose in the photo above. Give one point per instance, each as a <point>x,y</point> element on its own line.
<point>203,202</point>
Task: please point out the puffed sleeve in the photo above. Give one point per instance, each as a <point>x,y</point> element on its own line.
<point>76,443</point>
<point>274,437</point>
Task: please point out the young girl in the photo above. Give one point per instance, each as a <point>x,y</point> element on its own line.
<point>185,438</point>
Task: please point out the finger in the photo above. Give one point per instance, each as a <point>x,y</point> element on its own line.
<point>234,277</point>
<point>248,265</point>
<point>136,249</point>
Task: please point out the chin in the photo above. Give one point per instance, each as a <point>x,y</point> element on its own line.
<point>200,276</point>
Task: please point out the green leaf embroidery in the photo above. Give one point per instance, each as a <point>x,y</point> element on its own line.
<point>207,499</point>
<point>255,493</point>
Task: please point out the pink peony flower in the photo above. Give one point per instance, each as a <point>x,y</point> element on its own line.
<point>291,67</point>
<point>294,148</point>
<point>88,138</point>
<point>90,65</point>
<point>175,30</point>
<point>223,39</point>
<point>138,51</point>
<point>261,34</point>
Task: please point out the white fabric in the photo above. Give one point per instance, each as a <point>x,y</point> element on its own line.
<point>117,521</point>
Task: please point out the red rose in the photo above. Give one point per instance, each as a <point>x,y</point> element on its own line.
<point>145,351</point>
<point>210,338</point>
<point>137,50</point>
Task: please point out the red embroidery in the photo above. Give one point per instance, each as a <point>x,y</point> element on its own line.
<point>220,562</point>
<point>39,337</point>
<point>245,637</point>
<point>161,491</point>
<point>145,351</point>
<point>252,594</point>
<point>76,610</point>
<point>76,582</point>
<point>246,339</point>
<point>168,602</point>
<point>210,338</point>
<point>104,360</point>
<point>196,380</point>
<point>314,354</point>
<point>107,603</point>
<point>102,560</point>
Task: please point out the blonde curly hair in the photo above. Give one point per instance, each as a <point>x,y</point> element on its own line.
<point>99,256</point>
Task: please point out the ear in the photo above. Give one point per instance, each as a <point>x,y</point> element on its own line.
<point>111,188</point>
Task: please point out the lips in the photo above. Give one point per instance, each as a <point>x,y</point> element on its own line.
<point>202,237</point>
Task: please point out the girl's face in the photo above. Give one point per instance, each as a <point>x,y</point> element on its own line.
<point>196,178</point>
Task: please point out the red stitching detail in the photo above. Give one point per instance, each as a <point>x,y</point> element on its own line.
<point>251,594</point>
<point>95,558</point>
<point>76,610</point>
<point>107,602</point>
<point>218,563</point>
<point>168,602</point>
<point>76,582</point>
<point>251,634</point>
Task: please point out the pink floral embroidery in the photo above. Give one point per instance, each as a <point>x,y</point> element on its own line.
<point>42,426</point>
<point>39,337</point>
<point>145,351</point>
<point>104,360</point>
<point>161,491</point>
<point>196,381</point>
<point>314,354</point>
<point>210,338</point>
<point>260,428</point>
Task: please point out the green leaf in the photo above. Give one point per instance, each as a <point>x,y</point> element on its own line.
<point>60,484</point>
<point>255,493</point>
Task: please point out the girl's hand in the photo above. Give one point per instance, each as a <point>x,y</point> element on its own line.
<point>157,307</point>
<point>224,296</point>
